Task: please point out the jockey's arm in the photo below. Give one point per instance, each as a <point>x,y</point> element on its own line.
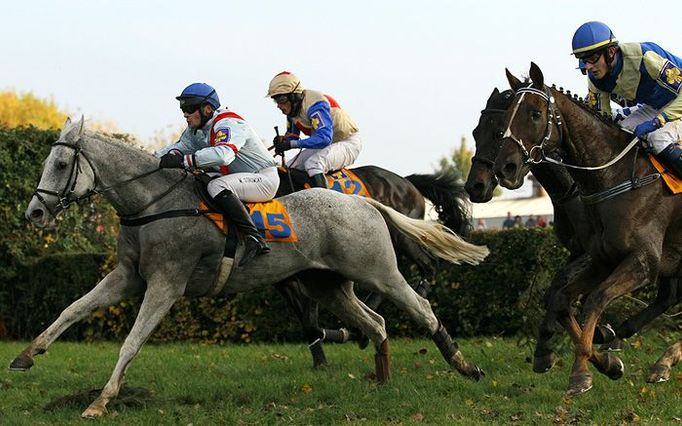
<point>320,116</point>
<point>183,146</point>
<point>666,75</point>
<point>230,137</point>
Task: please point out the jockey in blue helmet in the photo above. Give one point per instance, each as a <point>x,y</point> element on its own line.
<point>222,143</point>
<point>642,74</point>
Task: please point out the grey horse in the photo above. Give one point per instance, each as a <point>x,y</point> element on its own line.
<point>340,238</point>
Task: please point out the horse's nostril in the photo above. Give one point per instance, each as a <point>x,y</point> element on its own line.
<point>509,169</point>
<point>37,213</point>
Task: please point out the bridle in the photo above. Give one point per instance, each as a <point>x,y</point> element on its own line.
<point>483,160</point>
<point>536,155</point>
<point>66,196</point>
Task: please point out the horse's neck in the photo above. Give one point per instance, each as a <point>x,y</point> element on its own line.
<point>591,142</point>
<point>115,161</point>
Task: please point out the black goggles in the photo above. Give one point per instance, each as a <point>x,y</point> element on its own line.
<point>190,108</point>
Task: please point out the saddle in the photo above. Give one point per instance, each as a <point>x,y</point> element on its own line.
<point>672,181</point>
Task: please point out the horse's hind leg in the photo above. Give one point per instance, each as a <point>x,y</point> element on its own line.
<point>660,371</point>
<point>405,298</point>
<point>120,283</point>
<point>162,292</point>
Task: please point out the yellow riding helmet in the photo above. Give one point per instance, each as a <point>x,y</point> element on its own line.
<point>283,84</point>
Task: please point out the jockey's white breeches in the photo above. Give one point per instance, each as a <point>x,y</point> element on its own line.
<point>249,187</point>
<point>333,157</point>
<point>671,132</point>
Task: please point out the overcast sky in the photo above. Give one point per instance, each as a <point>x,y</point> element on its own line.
<point>413,75</point>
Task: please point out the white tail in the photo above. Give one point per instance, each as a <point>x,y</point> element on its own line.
<point>438,239</point>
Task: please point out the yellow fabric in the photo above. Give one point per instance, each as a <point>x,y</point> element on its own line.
<point>345,182</point>
<point>271,216</point>
<point>673,182</point>
<point>284,83</point>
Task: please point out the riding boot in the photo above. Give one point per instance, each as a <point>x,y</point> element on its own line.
<point>318,181</point>
<point>671,157</point>
<point>236,212</point>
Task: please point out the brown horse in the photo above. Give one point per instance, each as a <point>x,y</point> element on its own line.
<point>636,221</point>
<point>571,226</point>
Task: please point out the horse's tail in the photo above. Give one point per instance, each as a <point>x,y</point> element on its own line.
<point>434,237</point>
<point>448,197</point>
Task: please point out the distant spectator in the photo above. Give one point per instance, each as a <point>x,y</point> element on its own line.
<point>480,224</point>
<point>518,223</point>
<point>531,222</point>
<point>508,222</point>
<point>542,223</point>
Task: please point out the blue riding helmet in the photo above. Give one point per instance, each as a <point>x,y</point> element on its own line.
<point>591,37</point>
<point>198,93</point>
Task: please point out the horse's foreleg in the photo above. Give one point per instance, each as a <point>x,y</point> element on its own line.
<point>306,310</point>
<point>160,296</point>
<point>120,283</point>
<point>629,275</point>
<point>337,295</point>
<point>669,293</point>
<point>660,371</point>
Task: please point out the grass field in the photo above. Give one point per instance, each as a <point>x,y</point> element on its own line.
<point>266,384</point>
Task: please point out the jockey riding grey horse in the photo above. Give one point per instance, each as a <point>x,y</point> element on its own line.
<point>346,240</point>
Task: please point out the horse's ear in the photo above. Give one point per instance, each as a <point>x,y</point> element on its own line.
<point>67,124</point>
<point>536,76</point>
<point>81,125</point>
<point>514,82</point>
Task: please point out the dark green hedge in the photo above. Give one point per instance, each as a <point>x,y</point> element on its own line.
<point>38,280</point>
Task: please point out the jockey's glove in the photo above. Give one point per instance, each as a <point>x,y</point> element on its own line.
<point>281,144</point>
<point>172,161</point>
<point>645,128</point>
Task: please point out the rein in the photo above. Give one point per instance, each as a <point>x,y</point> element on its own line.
<point>66,199</point>
<point>628,185</point>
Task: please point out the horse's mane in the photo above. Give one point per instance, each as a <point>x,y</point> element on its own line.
<point>582,103</point>
<point>119,139</point>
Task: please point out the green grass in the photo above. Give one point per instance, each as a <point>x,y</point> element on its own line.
<point>266,384</point>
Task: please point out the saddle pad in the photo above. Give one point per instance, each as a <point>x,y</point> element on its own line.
<point>271,219</point>
<point>346,182</point>
<point>672,181</point>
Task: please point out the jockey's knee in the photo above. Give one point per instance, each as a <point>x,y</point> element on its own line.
<point>215,187</point>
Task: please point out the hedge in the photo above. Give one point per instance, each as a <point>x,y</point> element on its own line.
<point>43,271</point>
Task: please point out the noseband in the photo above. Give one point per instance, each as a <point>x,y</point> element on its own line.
<point>537,152</point>
<point>65,197</point>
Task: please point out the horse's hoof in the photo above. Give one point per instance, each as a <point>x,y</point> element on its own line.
<point>94,411</point>
<point>614,368</point>
<point>658,374</point>
<point>542,364</point>
<point>616,345</point>
<point>603,334</point>
<point>476,374</point>
<point>579,384</point>
<point>21,363</point>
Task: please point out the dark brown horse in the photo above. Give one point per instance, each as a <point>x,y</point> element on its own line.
<point>406,195</point>
<point>571,226</point>
<point>636,221</point>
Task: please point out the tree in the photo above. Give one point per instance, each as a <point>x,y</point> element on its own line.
<point>27,109</point>
<point>459,162</point>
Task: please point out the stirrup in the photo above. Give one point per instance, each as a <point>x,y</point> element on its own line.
<point>252,248</point>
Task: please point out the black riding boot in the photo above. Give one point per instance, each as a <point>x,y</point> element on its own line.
<point>671,157</point>
<point>236,212</point>
<point>318,181</point>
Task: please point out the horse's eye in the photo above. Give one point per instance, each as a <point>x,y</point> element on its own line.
<point>61,165</point>
<point>535,115</point>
